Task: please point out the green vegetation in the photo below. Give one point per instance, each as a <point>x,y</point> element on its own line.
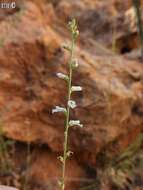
<point>128,162</point>
<point>5,161</point>
<point>121,169</point>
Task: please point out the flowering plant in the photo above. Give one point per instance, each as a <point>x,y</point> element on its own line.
<point>71,104</point>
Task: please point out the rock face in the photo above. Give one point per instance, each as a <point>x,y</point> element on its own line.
<point>110,106</point>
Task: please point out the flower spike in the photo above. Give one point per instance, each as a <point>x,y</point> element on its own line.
<point>71,104</point>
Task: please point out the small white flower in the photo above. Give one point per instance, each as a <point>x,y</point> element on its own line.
<point>76,88</point>
<point>72,104</point>
<point>62,76</point>
<point>59,109</point>
<point>75,122</point>
<point>69,153</point>
<point>61,158</point>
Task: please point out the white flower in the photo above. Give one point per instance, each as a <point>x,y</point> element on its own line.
<point>75,122</point>
<point>69,153</point>
<point>62,76</point>
<point>76,88</point>
<point>72,104</point>
<point>59,109</point>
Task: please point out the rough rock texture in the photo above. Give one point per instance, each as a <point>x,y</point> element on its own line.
<point>116,22</point>
<point>110,106</point>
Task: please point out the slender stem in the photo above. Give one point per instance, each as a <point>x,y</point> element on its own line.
<point>137,4</point>
<point>67,116</point>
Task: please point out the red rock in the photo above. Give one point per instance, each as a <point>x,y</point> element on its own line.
<point>110,106</point>
<point>30,58</point>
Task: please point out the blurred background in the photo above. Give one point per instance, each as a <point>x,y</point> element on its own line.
<point>108,150</point>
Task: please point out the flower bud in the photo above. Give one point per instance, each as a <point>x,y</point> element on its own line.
<point>62,76</point>
<point>66,47</point>
<point>74,64</point>
<point>75,122</point>
<point>72,104</point>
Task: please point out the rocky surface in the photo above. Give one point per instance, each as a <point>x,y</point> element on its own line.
<point>110,106</point>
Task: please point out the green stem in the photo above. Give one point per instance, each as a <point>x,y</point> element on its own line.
<point>67,116</point>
